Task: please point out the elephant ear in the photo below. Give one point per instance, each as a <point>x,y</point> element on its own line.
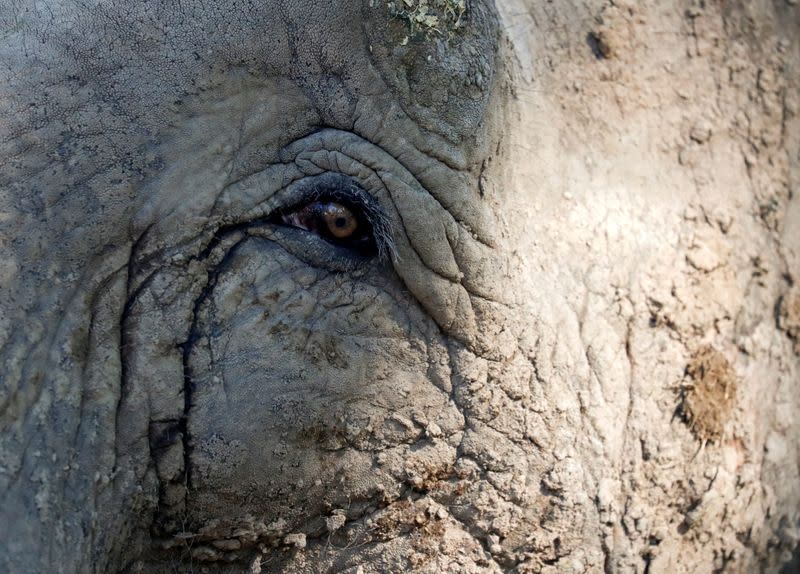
<point>438,56</point>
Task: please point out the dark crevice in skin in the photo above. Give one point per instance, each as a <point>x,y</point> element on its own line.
<point>123,335</point>
<point>187,346</point>
<point>608,560</point>
<point>158,441</point>
<point>188,383</point>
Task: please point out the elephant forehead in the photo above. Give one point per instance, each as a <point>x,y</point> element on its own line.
<point>137,58</point>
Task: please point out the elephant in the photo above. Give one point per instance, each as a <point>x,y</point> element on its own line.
<point>378,286</point>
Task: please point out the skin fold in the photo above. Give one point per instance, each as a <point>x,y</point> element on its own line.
<point>192,383</point>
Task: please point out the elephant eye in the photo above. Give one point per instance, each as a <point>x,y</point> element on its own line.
<point>337,222</point>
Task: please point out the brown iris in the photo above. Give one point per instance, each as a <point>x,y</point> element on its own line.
<point>340,221</point>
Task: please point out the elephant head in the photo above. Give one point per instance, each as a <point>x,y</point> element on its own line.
<point>229,368</point>
<point>273,301</point>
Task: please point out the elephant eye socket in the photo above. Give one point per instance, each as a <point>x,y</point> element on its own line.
<point>338,222</point>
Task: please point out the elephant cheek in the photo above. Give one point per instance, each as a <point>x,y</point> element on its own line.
<point>300,378</point>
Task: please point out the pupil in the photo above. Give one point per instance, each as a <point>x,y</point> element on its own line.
<point>341,222</point>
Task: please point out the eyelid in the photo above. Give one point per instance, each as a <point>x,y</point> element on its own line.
<point>316,217</point>
<point>312,249</point>
<point>342,189</point>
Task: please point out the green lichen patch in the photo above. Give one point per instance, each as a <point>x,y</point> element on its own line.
<point>429,17</point>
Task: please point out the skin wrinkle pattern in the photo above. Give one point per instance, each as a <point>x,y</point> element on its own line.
<point>578,252</point>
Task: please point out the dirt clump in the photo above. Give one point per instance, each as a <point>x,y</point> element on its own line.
<point>711,395</point>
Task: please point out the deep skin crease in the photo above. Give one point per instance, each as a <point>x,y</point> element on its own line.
<point>235,369</point>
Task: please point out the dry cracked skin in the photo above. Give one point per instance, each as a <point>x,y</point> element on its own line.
<point>294,286</point>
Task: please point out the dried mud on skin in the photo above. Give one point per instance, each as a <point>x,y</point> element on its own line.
<point>676,245</point>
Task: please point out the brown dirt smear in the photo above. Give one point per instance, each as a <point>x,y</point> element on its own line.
<point>711,395</point>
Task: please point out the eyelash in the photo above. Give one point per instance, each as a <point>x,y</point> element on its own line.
<point>374,237</point>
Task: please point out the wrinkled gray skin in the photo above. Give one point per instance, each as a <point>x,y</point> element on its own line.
<point>210,370</point>
<point>187,386</point>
